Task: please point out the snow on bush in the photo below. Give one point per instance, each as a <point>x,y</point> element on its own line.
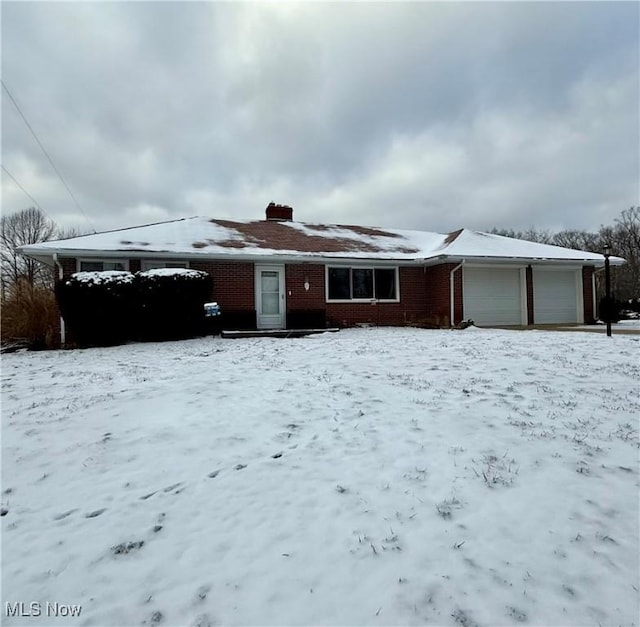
<point>101,278</point>
<point>112,307</point>
<point>173,272</point>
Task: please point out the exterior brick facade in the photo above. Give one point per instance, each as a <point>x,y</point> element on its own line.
<point>233,283</point>
<point>297,297</point>
<point>438,295</point>
<point>425,295</point>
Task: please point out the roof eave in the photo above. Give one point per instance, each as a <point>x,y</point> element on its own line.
<point>232,255</point>
<point>46,256</point>
<point>491,259</point>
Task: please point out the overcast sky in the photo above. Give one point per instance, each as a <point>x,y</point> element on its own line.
<point>431,116</point>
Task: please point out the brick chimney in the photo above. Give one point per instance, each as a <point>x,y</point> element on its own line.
<point>279,213</point>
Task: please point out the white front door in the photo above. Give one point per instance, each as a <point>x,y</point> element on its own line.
<point>270,305</point>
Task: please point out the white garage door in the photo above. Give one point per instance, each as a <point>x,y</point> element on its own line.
<point>554,296</point>
<point>492,296</point>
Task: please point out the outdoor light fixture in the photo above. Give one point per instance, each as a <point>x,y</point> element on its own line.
<point>607,288</point>
<point>306,284</point>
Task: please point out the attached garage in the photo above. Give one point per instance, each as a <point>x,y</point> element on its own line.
<point>556,297</point>
<point>494,296</point>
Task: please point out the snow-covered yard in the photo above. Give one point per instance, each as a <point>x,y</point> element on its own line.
<point>369,477</point>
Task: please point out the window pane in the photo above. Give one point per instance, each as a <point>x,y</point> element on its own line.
<point>113,265</point>
<point>385,284</point>
<point>270,281</point>
<point>152,265</point>
<point>362,282</point>
<point>270,304</point>
<point>91,266</point>
<point>339,283</point>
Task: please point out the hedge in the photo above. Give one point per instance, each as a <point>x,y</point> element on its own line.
<point>112,307</point>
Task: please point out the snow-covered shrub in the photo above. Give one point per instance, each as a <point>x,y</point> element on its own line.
<point>97,307</point>
<point>111,307</point>
<point>171,302</point>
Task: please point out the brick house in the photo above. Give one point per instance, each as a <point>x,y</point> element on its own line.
<point>278,273</point>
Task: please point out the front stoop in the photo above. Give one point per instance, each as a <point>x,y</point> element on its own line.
<point>275,333</point>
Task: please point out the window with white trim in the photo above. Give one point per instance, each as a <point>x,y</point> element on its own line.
<point>99,265</point>
<point>150,264</point>
<point>368,284</point>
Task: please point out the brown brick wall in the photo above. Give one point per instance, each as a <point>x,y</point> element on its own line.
<point>297,296</point>
<point>587,294</point>
<point>438,295</point>
<point>233,283</point>
<point>68,266</point>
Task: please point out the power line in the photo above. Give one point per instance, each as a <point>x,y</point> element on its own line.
<point>46,154</point>
<point>33,200</point>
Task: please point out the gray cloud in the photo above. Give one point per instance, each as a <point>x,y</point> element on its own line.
<point>425,115</point>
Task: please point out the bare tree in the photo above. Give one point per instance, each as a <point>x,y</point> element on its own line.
<point>69,232</point>
<point>578,240</point>
<point>624,239</point>
<point>29,226</point>
<point>532,234</point>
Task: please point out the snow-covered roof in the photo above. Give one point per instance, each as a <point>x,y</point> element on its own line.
<point>201,237</point>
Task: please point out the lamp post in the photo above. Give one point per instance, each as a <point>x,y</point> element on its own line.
<point>607,286</point>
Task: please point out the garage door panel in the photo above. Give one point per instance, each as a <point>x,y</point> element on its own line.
<point>554,296</point>
<point>492,296</point>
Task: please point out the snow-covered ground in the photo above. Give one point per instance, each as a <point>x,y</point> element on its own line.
<point>622,325</point>
<point>368,477</point>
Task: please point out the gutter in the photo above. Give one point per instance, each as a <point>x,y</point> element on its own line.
<point>452,293</point>
<point>63,330</point>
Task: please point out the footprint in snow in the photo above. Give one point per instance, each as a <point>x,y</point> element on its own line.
<point>173,487</point>
<point>202,620</point>
<point>96,513</point>
<point>126,547</point>
<point>214,474</point>
<point>202,591</point>
<point>240,466</point>
<point>276,455</point>
<point>64,514</point>
<point>148,496</point>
